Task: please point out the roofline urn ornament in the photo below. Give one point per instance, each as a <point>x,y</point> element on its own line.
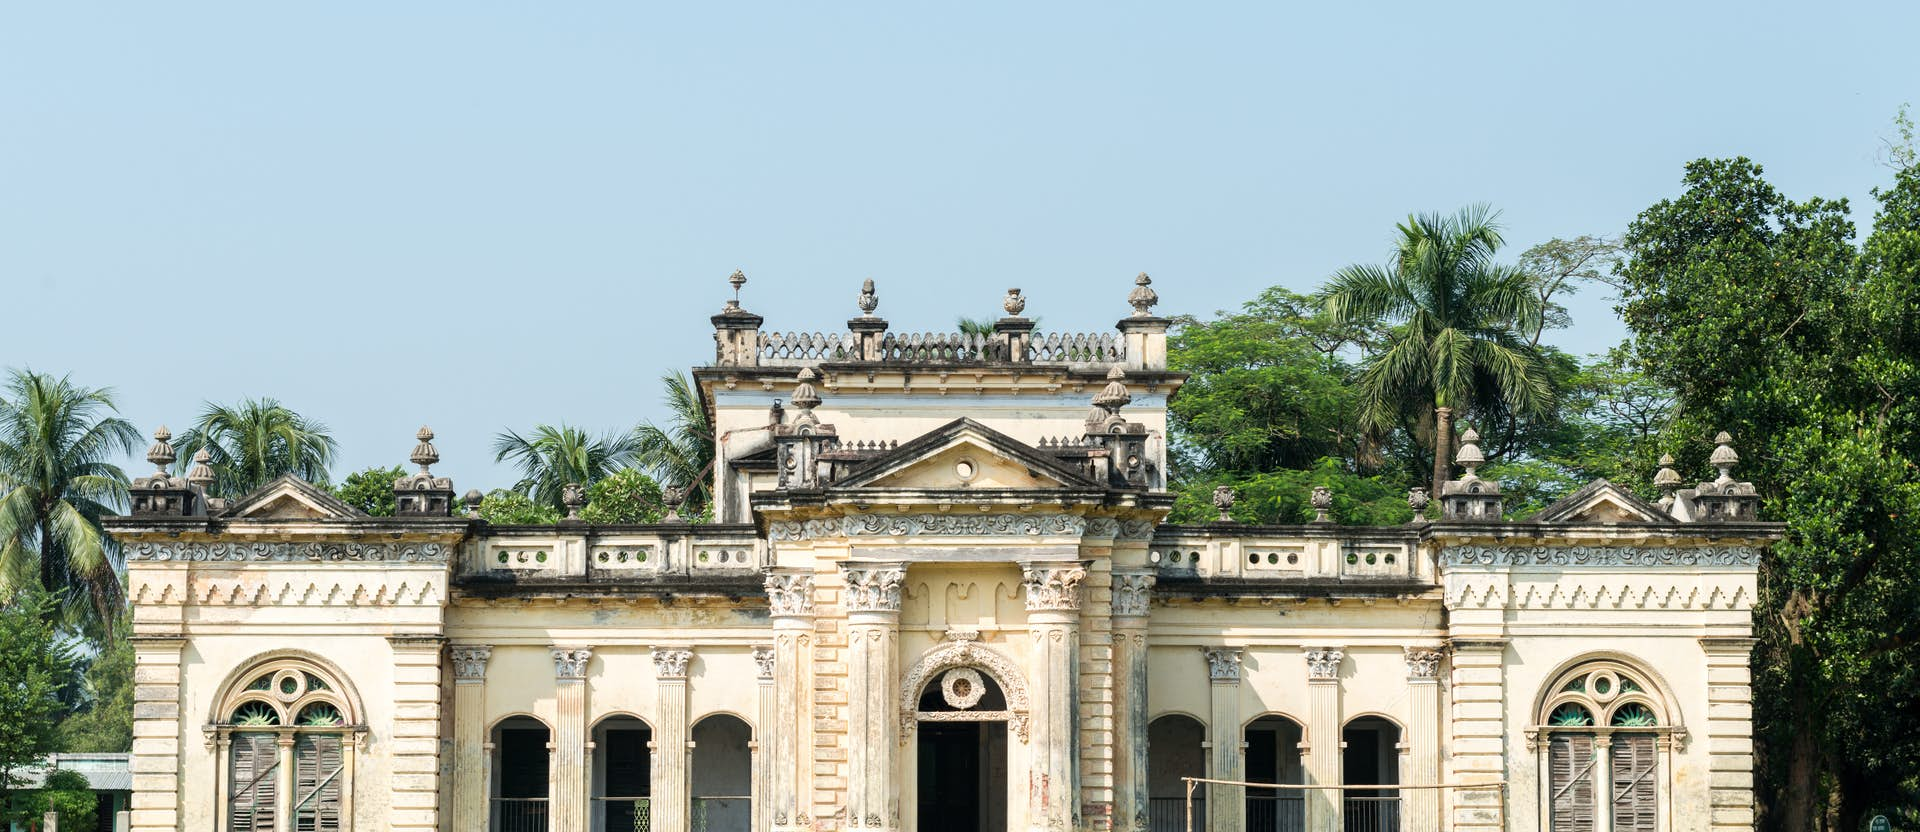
<point>1224,496</point>
<point>1015,303</point>
<point>1143,298</point>
<point>868,300</point>
<point>161,453</point>
<point>1322,504</point>
<point>736,280</point>
<point>574,496</point>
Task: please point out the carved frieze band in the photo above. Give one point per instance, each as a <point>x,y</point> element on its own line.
<point>1324,662</point>
<point>1423,662</point>
<point>1624,556</point>
<point>910,525</point>
<point>671,662</point>
<point>1223,664</point>
<point>470,660</point>
<point>264,552</point>
<point>873,587</point>
<point>790,594</point>
<point>1052,587</point>
<point>1132,594</point>
<point>571,662</point>
<point>763,658</point>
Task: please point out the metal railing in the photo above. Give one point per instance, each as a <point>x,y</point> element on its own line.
<point>1276,813</point>
<point>1372,814</point>
<point>623,814</point>
<point>519,814</point>
<point>732,813</point>
<point>1168,814</point>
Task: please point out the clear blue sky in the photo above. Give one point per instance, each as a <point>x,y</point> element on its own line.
<point>482,215</point>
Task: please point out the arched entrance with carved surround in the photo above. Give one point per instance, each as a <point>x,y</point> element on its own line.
<point>963,711</point>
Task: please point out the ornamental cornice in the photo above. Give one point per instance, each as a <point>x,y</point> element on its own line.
<point>671,662</point>
<point>790,594</point>
<point>1051,587</point>
<point>1223,664</point>
<point>1132,594</point>
<point>928,524</point>
<point>285,552</point>
<point>470,660</point>
<point>873,587</point>
<point>571,662</point>
<point>1607,556</point>
<point>1323,663</point>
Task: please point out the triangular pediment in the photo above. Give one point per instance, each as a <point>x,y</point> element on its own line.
<point>290,498</point>
<point>965,454</point>
<point>1602,502</point>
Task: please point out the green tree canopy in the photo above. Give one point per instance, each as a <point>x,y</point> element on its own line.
<point>104,722</point>
<point>57,440</point>
<point>256,441</point>
<point>370,490</point>
<point>552,457</point>
<point>624,496</point>
<point>35,663</point>
<point>681,454</point>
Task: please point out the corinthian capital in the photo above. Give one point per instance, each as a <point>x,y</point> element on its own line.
<point>790,594</point>
<point>1132,593</point>
<point>671,662</point>
<point>470,660</point>
<point>571,662</point>
<point>1324,662</point>
<point>873,587</point>
<point>1053,586</point>
<point>1223,664</point>
<point>1423,663</point>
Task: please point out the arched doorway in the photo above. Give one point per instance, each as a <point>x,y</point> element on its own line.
<point>962,717</point>
<point>285,727</point>
<point>622,775</point>
<point>722,778</point>
<point>1371,758</point>
<point>1175,750</point>
<point>1273,756</point>
<point>520,776</point>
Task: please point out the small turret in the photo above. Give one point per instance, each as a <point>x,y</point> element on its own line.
<point>1470,498</point>
<point>162,494</point>
<point>1725,499</point>
<point>423,494</point>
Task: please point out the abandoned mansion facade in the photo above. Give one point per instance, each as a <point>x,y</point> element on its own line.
<point>938,593</point>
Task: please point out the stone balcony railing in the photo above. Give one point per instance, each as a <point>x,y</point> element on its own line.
<point>799,349</point>
<point>1325,556</point>
<point>653,554</point>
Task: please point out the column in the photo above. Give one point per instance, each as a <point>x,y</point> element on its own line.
<point>1323,737</point>
<point>1132,597</point>
<point>284,783</point>
<point>1729,732</point>
<point>790,597</point>
<point>1226,805</point>
<point>155,760</point>
<point>764,720</point>
<point>567,790</point>
<point>872,600</point>
<point>670,743</point>
<point>1423,735</point>
<point>470,734</point>
<point>414,753</point>
<point>1053,624</point>
<point>1478,749</point>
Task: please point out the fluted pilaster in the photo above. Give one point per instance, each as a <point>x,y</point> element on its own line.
<point>670,795</point>
<point>1132,597</point>
<point>1323,737</point>
<point>567,792</point>
<point>1226,805</point>
<point>1053,621</point>
<point>790,596</point>
<point>873,632</point>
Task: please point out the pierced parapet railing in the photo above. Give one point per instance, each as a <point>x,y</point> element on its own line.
<point>938,348</point>
<point>778,348</point>
<point>614,554</point>
<point>1077,348</point>
<point>1317,554</point>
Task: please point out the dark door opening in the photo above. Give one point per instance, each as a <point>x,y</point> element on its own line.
<point>963,776</point>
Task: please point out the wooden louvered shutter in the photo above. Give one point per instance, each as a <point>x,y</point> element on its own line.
<point>1570,782</point>
<point>317,766</point>
<point>1635,769</point>
<point>252,759</point>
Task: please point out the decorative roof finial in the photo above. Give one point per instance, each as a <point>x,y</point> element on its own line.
<point>1418,499</point>
<point>1322,504</point>
<point>737,280</point>
<point>868,300</point>
<point>806,398</point>
<point>201,474</point>
<point>1667,480</point>
<point>1014,304</point>
<point>424,454</point>
<point>161,453</point>
<point>1469,456</point>
<point>1223,499</point>
<point>1115,395</point>
<point>471,500</point>
<point>573,495</point>
<point>672,496</point>
<point>1723,457</point>
<point>1142,297</point>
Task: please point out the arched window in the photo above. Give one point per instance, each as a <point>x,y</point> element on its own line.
<point>286,730</point>
<point>1601,730</point>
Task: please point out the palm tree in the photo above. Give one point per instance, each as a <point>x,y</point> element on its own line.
<point>255,441</point>
<point>55,484</point>
<point>551,457</point>
<point>1458,322</point>
<point>680,455</point>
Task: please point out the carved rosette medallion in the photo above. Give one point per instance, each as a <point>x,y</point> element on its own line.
<point>1132,594</point>
<point>1423,663</point>
<point>790,594</point>
<point>470,660</point>
<point>1223,664</point>
<point>873,588</point>
<point>1324,662</point>
<point>961,688</point>
<point>671,662</point>
<point>1052,587</point>
<point>571,662</point>
<point>763,657</point>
